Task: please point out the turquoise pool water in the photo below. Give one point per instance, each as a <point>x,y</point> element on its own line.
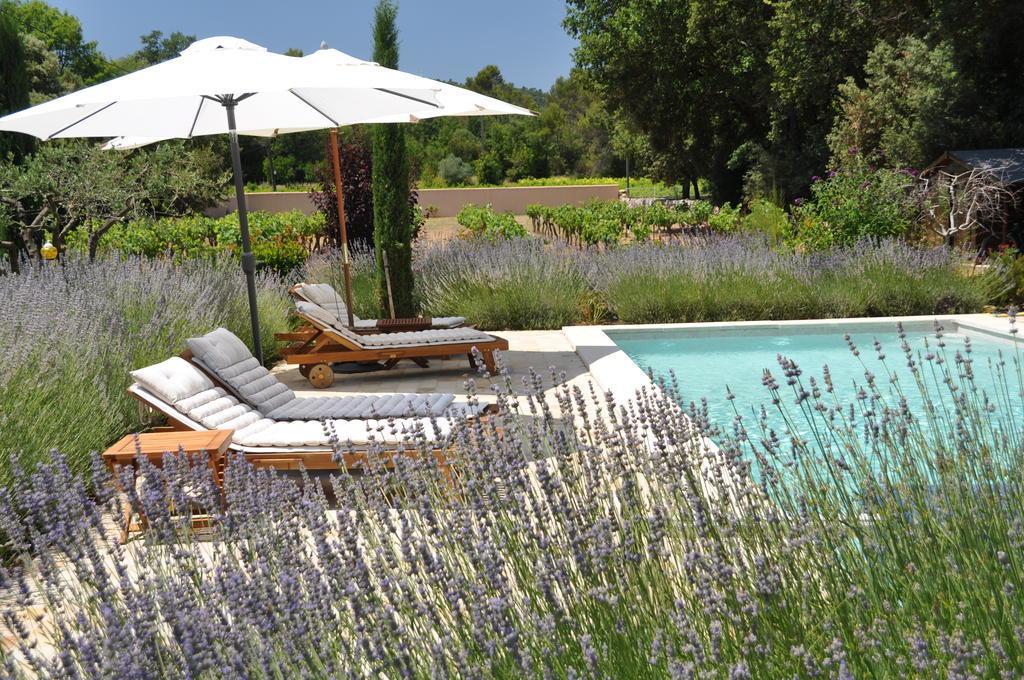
<point>707,361</point>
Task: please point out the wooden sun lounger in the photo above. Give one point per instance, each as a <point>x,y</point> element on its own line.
<point>289,458</point>
<point>315,351</point>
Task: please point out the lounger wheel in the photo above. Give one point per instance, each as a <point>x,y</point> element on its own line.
<point>321,376</point>
<point>304,369</point>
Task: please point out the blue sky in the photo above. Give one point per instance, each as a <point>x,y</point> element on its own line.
<point>449,39</point>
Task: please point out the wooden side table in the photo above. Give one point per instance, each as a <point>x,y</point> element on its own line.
<point>153,445</point>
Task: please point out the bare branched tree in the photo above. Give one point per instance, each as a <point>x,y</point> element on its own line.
<point>974,201</point>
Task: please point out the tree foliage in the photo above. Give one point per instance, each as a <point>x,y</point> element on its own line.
<point>71,184</point>
<point>14,82</point>
<point>61,32</point>
<point>747,88</point>
<point>357,185</point>
<point>691,76</point>
<point>904,108</point>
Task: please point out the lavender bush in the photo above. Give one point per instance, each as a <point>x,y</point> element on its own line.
<point>744,278</point>
<point>586,538</point>
<point>519,283</point>
<point>527,284</point>
<point>71,331</point>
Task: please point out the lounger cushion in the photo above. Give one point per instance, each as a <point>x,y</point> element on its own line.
<point>227,356</point>
<point>323,294</point>
<point>324,318</point>
<point>320,293</point>
<point>234,364</point>
<point>317,433</point>
<point>218,410</point>
<point>172,380</point>
<point>434,336</point>
<point>447,321</point>
<point>437,336</point>
<point>186,389</point>
<point>364,406</point>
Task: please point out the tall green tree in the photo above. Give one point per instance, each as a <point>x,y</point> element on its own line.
<point>815,46</point>
<point>904,109</point>
<point>62,34</point>
<point>690,75</point>
<point>14,82</point>
<point>986,37</point>
<point>392,214</point>
<point>156,47</point>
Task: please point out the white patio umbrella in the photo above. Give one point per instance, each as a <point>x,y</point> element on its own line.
<point>447,100</point>
<point>226,84</point>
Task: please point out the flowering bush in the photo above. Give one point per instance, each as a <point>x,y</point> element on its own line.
<point>854,202</point>
<point>721,278</point>
<point>73,329</point>
<point>505,284</point>
<point>607,542</point>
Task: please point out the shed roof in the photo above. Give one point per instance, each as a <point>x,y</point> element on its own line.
<point>1007,165</point>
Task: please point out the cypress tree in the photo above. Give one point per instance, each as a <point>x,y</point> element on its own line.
<point>392,216</point>
<point>14,83</point>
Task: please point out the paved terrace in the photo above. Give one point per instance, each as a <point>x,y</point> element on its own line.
<point>539,350</point>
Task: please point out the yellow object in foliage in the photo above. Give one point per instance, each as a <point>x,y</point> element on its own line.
<point>48,251</point>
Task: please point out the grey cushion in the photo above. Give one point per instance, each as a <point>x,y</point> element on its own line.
<point>234,364</point>
<point>364,406</point>
<point>324,295</point>
<point>228,357</point>
<point>435,336</point>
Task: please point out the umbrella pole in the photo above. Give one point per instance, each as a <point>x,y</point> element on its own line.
<point>346,264</point>
<point>248,259</point>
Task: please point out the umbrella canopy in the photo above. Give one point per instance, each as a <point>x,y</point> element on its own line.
<point>453,100</point>
<point>449,100</point>
<point>184,96</point>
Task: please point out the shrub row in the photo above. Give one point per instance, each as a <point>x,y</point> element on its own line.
<point>610,222</point>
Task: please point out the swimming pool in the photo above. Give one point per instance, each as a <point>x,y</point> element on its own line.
<point>712,360</point>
